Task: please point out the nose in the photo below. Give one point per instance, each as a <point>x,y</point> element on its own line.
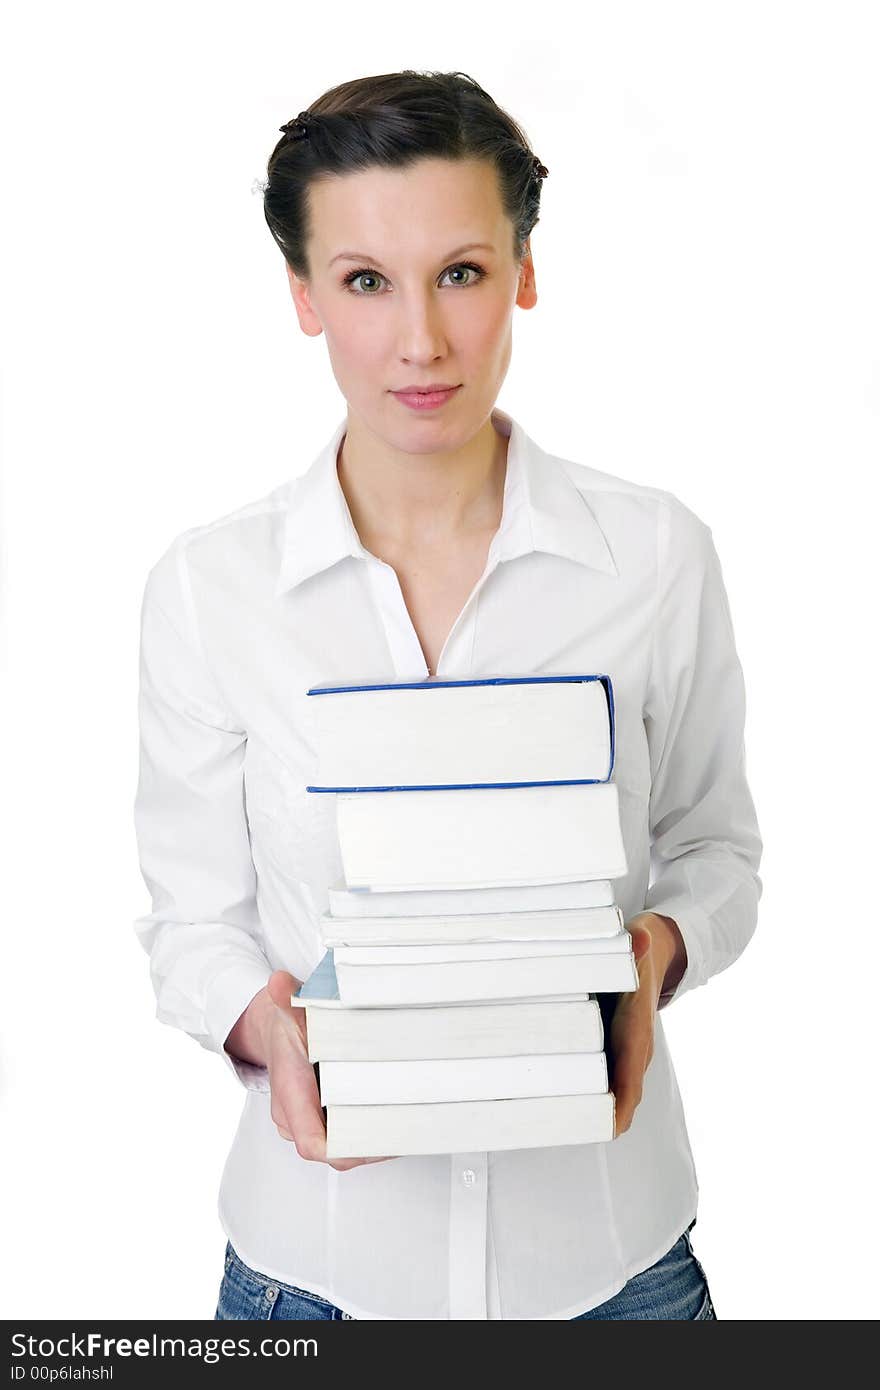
<point>422,333</point>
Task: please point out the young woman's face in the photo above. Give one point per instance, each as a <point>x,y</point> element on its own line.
<point>413,281</point>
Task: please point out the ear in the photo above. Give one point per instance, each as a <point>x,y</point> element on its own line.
<point>526,293</point>
<point>308,319</point>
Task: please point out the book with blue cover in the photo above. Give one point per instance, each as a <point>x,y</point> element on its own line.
<point>499,731</point>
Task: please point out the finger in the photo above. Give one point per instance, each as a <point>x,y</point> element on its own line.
<point>296,1096</point>
<point>281,985</point>
<point>343,1164</point>
<point>627,1097</point>
<point>641,940</point>
<point>630,1044</point>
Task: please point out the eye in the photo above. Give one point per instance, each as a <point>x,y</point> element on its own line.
<point>472,270</point>
<point>354,275</point>
<point>475,274</point>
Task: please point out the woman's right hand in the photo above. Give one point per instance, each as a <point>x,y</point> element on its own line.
<point>275,1028</point>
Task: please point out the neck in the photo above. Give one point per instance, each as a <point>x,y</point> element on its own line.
<point>397,499</point>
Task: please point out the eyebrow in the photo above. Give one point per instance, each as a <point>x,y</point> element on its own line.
<point>459,251</point>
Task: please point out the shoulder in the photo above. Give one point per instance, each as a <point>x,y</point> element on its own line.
<point>638,512</point>
<point>231,548</point>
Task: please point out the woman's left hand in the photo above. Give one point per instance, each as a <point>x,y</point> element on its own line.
<point>657,946</point>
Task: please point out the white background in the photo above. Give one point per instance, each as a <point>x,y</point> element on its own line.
<point>708,275</point>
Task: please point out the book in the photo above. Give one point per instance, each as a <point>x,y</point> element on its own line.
<point>365,1131</point>
<point>564,924</point>
<point>463,733</point>
<point>442,981</point>
<point>499,948</point>
<point>481,837</point>
<point>394,954</point>
<point>456,902</point>
<point>417,1081</point>
<point>321,990</point>
<point>447,1031</point>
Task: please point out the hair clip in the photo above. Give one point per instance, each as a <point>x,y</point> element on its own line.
<point>541,170</point>
<point>298,128</point>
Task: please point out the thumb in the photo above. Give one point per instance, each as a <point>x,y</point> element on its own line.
<point>281,985</point>
<point>641,940</point>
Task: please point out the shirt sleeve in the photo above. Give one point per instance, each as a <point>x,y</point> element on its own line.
<point>705,841</point>
<point>203,935</point>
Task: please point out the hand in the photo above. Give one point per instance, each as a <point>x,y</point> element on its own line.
<point>658,949</point>
<point>278,1032</point>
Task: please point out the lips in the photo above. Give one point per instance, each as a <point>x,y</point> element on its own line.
<point>425,390</point>
<point>425,399</point>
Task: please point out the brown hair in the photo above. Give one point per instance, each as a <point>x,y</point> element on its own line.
<point>392,120</point>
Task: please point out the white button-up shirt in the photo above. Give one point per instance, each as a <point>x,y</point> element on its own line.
<point>586,573</point>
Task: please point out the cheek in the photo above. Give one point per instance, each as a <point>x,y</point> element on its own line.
<point>352,339</point>
<point>483,334</point>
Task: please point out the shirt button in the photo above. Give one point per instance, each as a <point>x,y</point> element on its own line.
<point>469,1177</point>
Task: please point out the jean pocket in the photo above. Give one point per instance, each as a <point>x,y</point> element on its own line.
<point>707,1309</point>
<point>243,1295</point>
<point>690,1246</point>
<point>247,1295</point>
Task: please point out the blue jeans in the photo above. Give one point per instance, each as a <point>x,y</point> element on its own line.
<point>673,1288</point>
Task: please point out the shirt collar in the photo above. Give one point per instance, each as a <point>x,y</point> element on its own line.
<point>542,510</point>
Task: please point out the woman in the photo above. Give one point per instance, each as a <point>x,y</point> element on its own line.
<point>431,536</point>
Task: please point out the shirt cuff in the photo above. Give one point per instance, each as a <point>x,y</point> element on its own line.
<point>251,1076</point>
<point>231,992</point>
<point>696,929</point>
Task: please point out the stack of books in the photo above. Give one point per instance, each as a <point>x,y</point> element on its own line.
<point>479,835</point>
